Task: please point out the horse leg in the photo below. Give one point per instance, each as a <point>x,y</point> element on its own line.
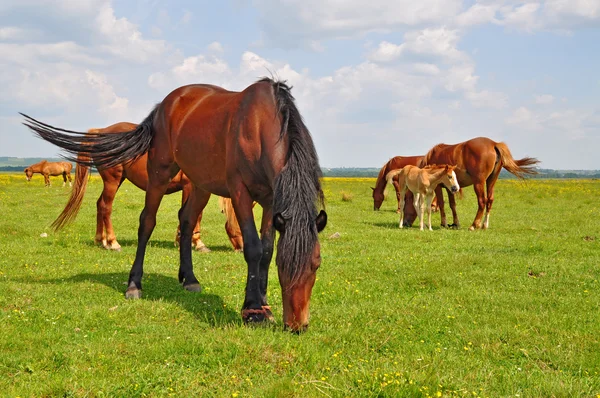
<point>70,179</point>
<point>46,180</point>
<point>252,309</point>
<point>428,200</point>
<point>64,176</point>
<point>196,241</point>
<point>401,209</point>
<point>109,240</point>
<point>188,219</point>
<point>440,201</point>
<point>100,237</point>
<point>418,202</point>
<point>398,196</point>
<point>480,192</point>
<point>158,181</point>
<point>267,237</point>
<point>491,181</point>
<point>452,201</point>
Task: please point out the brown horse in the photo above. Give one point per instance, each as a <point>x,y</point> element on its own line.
<point>396,163</point>
<point>250,146</point>
<point>48,169</point>
<point>422,183</point>
<point>112,178</point>
<point>478,162</point>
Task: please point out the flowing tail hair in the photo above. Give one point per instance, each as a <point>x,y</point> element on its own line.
<point>520,168</point>
<point>389,176</point>
<point>72,207</point>
<point>98,149</point>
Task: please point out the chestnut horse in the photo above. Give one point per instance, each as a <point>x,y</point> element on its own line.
<point>48,169</point>
<point>396,163</point>
<point>231,225</point>
<point>250,146</point>
<point>422,183</point>
<point>112,178</point>
<point>478,162</point>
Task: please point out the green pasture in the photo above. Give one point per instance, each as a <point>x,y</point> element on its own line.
<point>511,311</point>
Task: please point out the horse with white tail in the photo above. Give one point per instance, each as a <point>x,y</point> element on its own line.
<point>422,183</point>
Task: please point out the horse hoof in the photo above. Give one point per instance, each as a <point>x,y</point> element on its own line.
<point>203,249</point>
<point>133,294</point>
<point>258,316</point>
<point>471,228</point>
<point>193,287</point>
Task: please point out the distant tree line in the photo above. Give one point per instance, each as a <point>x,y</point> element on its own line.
<point>13,164</point>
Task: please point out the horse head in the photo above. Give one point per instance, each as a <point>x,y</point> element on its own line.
<point>28,173</point>
<point>378,197</point>
<point>296,288</point>
<point>450,180</point>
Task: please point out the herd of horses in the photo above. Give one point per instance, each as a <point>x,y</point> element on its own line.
<point>476,162</point>
<point>252,147</point>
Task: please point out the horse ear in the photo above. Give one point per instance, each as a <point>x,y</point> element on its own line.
<point>279,222</point>
<point>321,220</point>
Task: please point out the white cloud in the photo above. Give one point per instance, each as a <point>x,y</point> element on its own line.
<point>124,39</point>
<point>437,42</point>
<point>187,17</point>
<point>13,33</point>
<point>478,14</point>
<point>543,99</point>
<point>298,22</point>
<point>487,99</point>
<point>426,69</point>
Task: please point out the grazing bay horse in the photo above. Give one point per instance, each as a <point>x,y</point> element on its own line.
<point>396,163</point>
<point>112,178</point>
<point>478,162</point>
<point>422,183</point>
<point>250,146</point>
<point>48,169</point>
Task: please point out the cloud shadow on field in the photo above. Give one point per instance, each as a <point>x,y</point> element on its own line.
<point>206,307</point>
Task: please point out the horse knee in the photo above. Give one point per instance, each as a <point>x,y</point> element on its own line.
<point>253,251</point>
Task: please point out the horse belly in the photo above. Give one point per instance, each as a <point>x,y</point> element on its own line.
<point>201,156</point>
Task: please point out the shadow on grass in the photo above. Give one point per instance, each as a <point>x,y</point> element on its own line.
<point>206,307</point>
<point>163,244</point>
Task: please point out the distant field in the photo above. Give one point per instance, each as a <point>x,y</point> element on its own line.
<point>512,311</point>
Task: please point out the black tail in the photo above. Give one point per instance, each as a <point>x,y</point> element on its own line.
<point>97,149</point>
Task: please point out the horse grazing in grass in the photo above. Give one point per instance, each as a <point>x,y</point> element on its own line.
<point>250,146</point>
<point>48,169</point>
<point>112,178</point>
<point>397,163</point>
<point>422,183</point>
<point>478,162</point>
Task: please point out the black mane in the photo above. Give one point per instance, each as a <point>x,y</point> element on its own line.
<point>297,194</point>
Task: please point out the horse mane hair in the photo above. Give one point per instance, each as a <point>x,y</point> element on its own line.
<point>297,194</point>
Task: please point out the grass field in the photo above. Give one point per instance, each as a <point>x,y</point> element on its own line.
<point>512,311</point>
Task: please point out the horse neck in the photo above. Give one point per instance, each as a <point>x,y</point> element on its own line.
<point>381,181</point>
<point>36,168</point>
<point>436,175</point>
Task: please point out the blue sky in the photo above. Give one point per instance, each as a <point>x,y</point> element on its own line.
<point>373,79</point>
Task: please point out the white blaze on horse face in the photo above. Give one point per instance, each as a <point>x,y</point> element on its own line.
<point>455,180</point>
